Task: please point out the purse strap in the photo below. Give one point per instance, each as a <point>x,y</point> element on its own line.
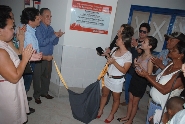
<point>170,94</point>
<point>114,51</point>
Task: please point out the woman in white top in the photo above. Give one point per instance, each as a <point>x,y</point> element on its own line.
<point>119,63</point>
<point>162,84</point>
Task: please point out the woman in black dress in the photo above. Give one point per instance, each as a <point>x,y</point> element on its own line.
<point>138,84</point>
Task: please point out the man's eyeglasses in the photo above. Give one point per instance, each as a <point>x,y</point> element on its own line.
<point>141,31</point>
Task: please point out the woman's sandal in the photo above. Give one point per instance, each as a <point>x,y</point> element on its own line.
<point>99,116</point>
<point>122,119</point>
<point>107,121</point>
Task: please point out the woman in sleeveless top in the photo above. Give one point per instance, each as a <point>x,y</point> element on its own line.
<point>138,84</point>
<point>14,104</point>
<point>162,83</point>
<point>119,63</point>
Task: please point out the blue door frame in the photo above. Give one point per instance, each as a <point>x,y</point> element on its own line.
<point>155,10</point>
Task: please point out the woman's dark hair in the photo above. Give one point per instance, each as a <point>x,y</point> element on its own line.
<point>4,16</point>
<point>127,41</point>
<point>152,42</point>
<point>128,30</point>
<point>146,25</point>
<point>42,10</point>
<point>29,14</point>
<point>181,48</point>
<point>5,9</point>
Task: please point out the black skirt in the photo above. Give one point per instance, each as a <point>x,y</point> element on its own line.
<point>138,85</point>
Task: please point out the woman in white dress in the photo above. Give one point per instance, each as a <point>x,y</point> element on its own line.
<point>119,63</point>
<point>14,104</point>
<point>162,83</point>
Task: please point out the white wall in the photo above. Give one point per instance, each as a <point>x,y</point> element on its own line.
<point>17,7</point>
<point>123,9</point>
<point>80,63</point>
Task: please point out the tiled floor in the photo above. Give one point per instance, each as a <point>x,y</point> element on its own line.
<point>58,111</point>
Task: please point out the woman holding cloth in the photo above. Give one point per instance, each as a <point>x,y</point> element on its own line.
<point>119,63</point>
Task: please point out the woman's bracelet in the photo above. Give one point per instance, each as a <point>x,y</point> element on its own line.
<point>149,74</point>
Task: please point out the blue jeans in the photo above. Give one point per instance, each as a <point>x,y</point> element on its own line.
<point>127,84</point>
<point>28,78</point>
<point>151,111</point>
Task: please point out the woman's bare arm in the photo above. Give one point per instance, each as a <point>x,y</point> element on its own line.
<point>7,67</point>
<point>150,67</point>
<point>164,89</point>
<point>123,69</point>
<point>21,37</point>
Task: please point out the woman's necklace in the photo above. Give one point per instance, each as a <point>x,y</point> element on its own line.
<point>145,55</point>
<point>172,66</point>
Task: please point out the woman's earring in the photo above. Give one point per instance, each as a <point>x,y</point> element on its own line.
<point>179,58</point>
